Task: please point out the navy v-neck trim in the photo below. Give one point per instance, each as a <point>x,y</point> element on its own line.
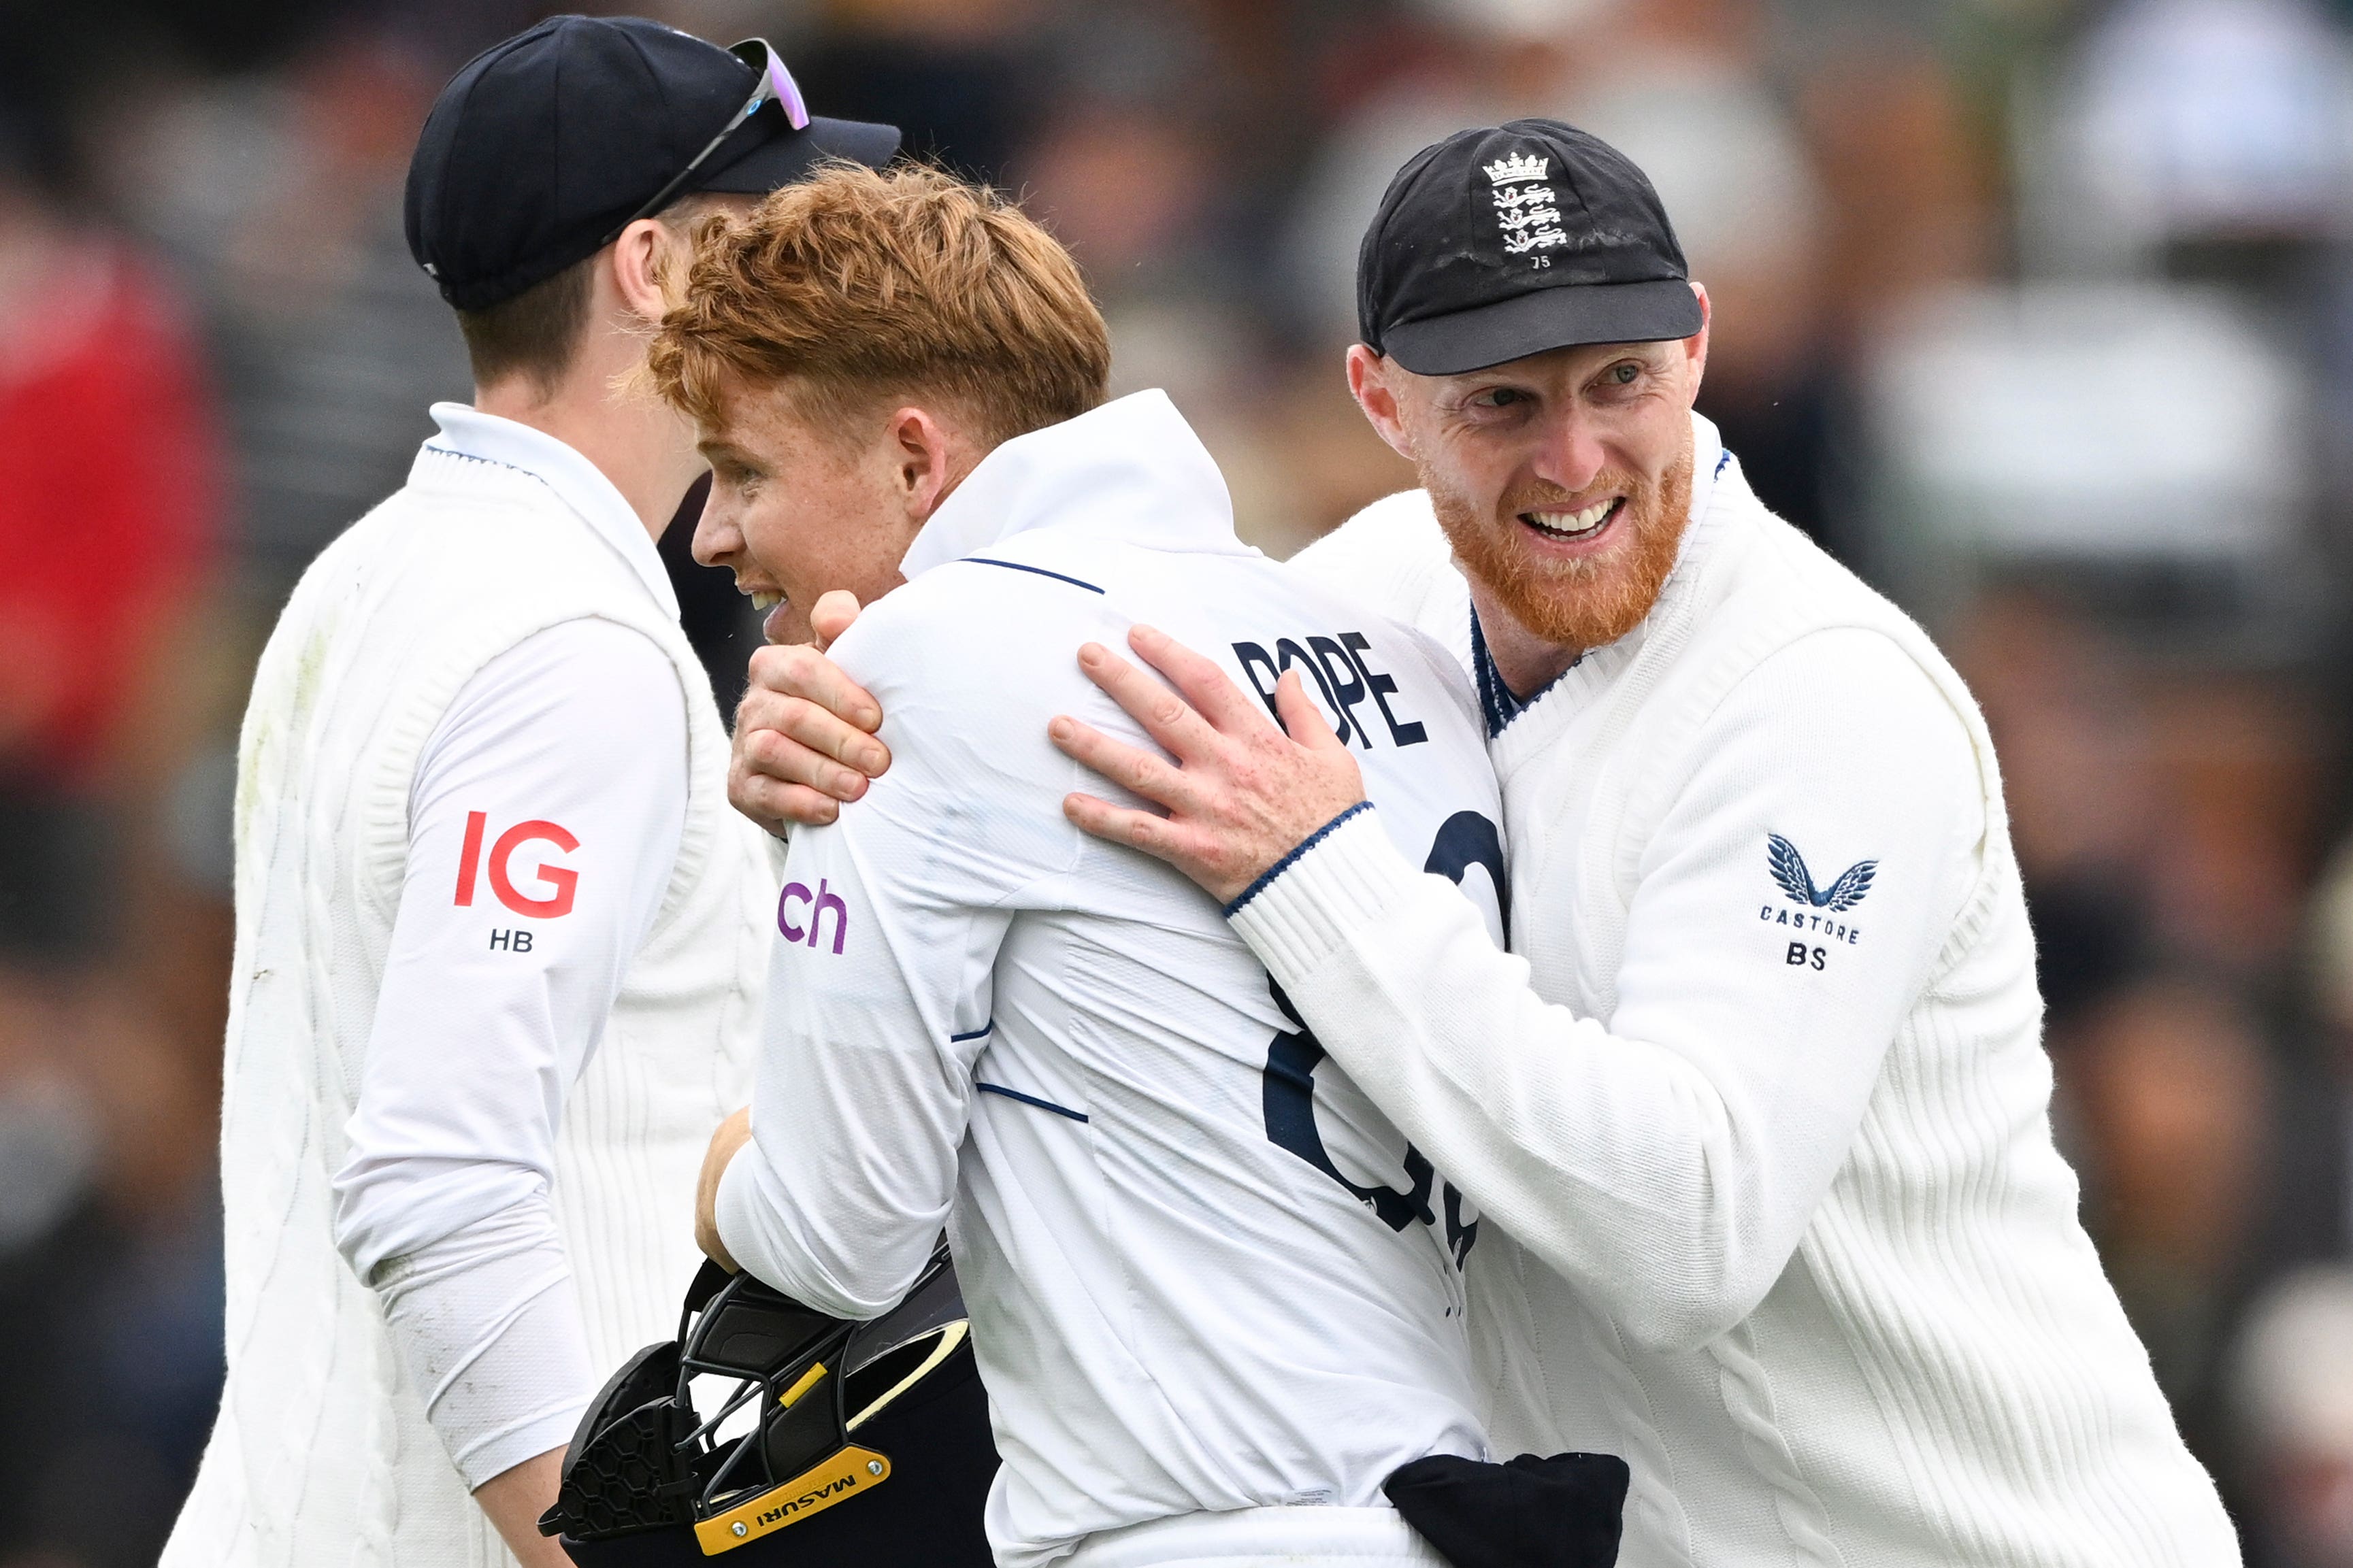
<point>1497,702</point>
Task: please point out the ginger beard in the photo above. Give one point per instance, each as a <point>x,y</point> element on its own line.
<point>1582,602</point>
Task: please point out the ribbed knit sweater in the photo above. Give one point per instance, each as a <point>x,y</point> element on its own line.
<point>323,1452</point>
<point>1758,1100</point>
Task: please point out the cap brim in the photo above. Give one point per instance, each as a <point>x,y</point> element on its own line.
<point>781,160</point>
<point>1565,316</point>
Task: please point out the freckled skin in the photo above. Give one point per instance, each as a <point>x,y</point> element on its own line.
<point>800,507</point>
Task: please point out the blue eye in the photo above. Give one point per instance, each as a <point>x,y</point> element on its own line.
<point>1624,374</point>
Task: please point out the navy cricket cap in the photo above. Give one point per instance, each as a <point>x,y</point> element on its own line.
<point>1514,239</point>
<point>544,144</point>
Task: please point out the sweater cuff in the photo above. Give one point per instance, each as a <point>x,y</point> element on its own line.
<point>1331,888</point>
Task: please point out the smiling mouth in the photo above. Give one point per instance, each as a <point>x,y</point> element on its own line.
<point>1575,527</point>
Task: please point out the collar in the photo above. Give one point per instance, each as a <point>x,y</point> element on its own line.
<point>1498,704</point>
<point>579,484</point>
<point>1709,460</point>
<point>1131,470</point>
<point>1712,468</point>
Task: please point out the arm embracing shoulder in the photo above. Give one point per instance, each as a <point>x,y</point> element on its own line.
<point>878,991</point>
<point>1786,914</point>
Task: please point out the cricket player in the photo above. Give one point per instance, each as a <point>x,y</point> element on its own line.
<point>498,936</point>
<point>1758,1101</point>
<point>1216,1299</point>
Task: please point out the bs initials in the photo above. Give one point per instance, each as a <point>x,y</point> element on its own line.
<point>1801,955</point>
<point>562,880</point>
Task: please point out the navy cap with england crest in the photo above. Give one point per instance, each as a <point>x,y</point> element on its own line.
<point>544,147</point>
<point>1514,239</point>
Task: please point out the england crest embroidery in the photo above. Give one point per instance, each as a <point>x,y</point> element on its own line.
<point>1526,208</point>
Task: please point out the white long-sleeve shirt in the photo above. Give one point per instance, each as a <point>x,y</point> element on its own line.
<point>544,824</point>
<point>1759,1092</point>
<point>1205,1276</point>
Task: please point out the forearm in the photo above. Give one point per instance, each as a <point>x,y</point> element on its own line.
<point>731,1137</point>
<point>1616,1161</point>
<point>515,1498</point>
<point>844,1182</point>
<point>1670,1162</point>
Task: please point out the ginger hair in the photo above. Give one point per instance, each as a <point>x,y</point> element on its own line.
<point>857,288</point>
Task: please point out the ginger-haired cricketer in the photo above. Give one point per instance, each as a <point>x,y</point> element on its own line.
<point>1216,1298</point>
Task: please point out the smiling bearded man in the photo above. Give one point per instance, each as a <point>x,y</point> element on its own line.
<point>1758,1101</point>
<point>1773,1148</point>
<point>1574,574</point>
<point>1570,573</point>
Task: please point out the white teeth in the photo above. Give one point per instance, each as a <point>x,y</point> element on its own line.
<point>766,600</point>
<point>1573,522</point>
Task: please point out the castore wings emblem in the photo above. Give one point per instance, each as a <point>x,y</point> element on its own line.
<point>1789,870</point>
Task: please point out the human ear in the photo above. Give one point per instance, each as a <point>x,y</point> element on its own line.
<point>1370,384</point>
<point>637,265</point>
<point>1695,346</point>
<point>921,447</point>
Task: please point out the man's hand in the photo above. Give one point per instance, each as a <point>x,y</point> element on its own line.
<point>515,1498</point>
<point>1241,795</point>
<point>805,731</point>
<point>732,1134</point>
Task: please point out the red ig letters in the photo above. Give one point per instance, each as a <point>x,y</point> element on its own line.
<point>563,880</point>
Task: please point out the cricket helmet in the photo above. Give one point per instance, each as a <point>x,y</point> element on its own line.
<point>816,1413</point>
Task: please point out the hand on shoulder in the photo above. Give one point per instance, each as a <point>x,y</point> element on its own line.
<point>805,742</point>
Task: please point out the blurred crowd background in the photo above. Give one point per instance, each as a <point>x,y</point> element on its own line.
<point>2039,312</point>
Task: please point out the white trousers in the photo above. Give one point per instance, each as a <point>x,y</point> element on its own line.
<point>1263,1538</point>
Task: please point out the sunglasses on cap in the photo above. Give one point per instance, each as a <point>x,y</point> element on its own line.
<point>776,85</point>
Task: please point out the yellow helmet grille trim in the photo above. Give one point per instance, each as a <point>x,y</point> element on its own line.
<point>848,1472</point>
<point>808,1380</point>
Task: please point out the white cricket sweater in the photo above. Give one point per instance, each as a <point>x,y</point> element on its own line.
<point>322,1451</point>
<point>1759,1091</point>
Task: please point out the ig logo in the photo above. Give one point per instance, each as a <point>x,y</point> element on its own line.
<point>561,881</point>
